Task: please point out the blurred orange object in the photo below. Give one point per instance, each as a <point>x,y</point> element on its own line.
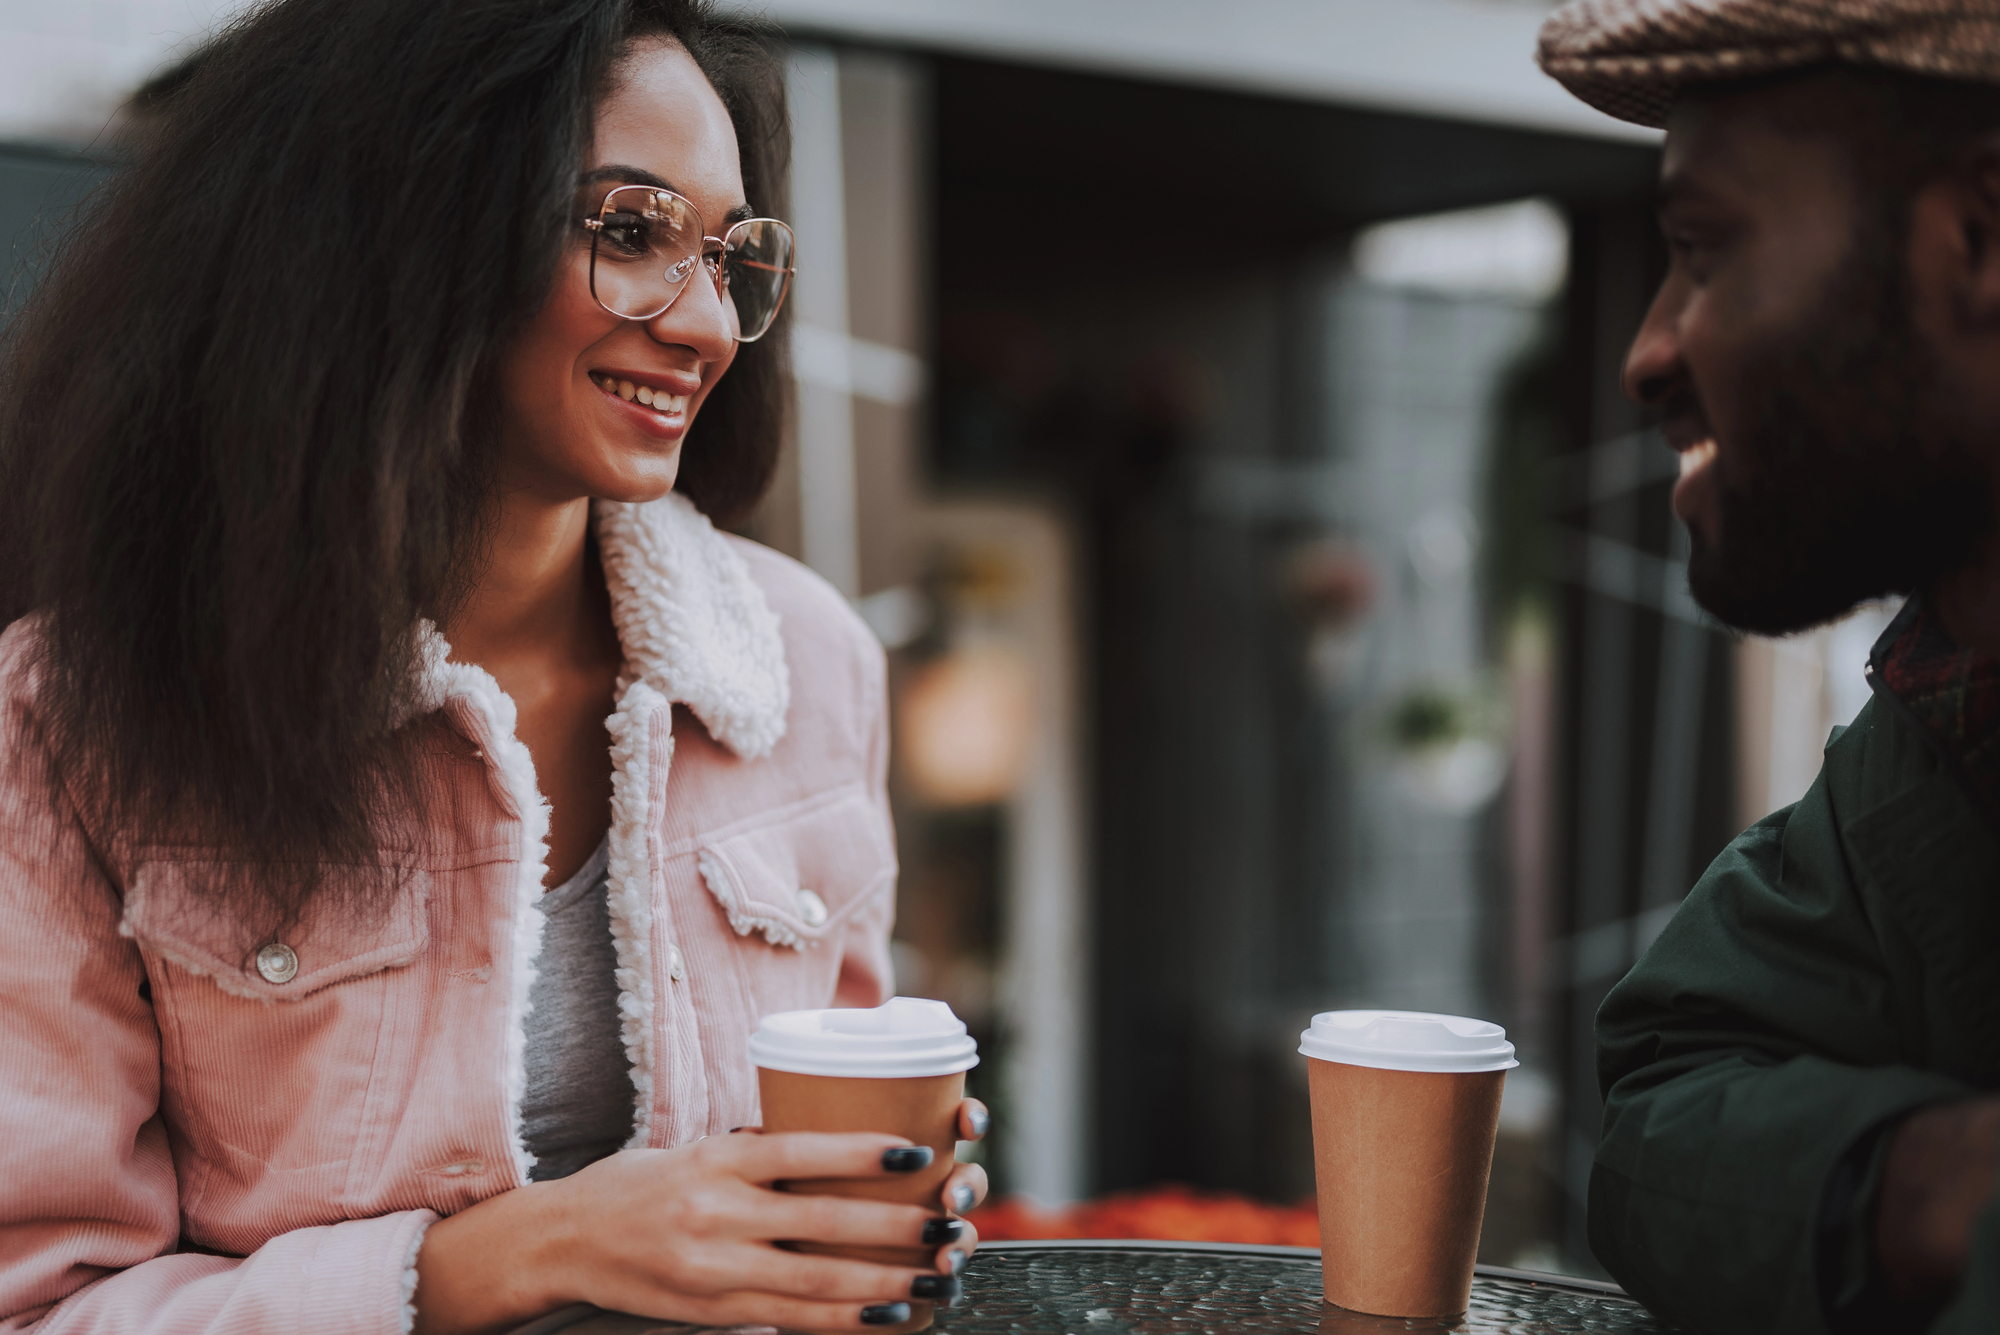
<point>1172,1212</point>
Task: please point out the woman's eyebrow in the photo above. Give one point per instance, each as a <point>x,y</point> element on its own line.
<point>628,175</point>
<point>614,171</point>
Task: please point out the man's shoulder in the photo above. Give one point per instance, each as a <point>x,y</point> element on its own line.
<point>1899,805</point>
<point>1877,757</point>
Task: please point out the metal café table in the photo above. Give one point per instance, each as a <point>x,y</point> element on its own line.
<point>1189,1288</point>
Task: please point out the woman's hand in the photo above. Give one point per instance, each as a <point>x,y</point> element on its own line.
<point>689,1234</point>
<point>963,1189</point>
<point>966,1187</point>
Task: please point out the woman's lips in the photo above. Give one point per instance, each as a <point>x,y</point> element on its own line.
<point>651,408</point>
<point>1697,480</point>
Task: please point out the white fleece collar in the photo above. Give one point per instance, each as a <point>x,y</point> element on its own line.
<point>694,625</point>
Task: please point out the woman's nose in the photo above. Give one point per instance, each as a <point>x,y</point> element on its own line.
<point>697,319</point>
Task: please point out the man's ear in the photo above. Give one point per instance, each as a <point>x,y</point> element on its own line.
<point>1955,236</point>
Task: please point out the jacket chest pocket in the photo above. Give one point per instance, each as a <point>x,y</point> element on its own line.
<point>797,877</point>
<point>268,1046</point>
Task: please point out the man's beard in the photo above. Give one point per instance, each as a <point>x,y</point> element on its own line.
<point>1849,480</point>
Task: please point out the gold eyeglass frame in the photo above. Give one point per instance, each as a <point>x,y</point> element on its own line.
<point>722,248</point>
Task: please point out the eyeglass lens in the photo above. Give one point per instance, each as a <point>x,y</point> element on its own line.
<point>756,271</point>
<point>650,244</point>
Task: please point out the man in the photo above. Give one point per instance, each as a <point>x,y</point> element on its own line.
<point>1800,1128</point>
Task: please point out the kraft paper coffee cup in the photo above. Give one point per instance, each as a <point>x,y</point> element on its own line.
<point>900,1069</point>
<point>1405,1106</point>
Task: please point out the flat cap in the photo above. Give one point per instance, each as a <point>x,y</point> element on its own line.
<point>1630,57</point>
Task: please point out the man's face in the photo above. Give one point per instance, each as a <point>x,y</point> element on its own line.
<point>1821,460</point>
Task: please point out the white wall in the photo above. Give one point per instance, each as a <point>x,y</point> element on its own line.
<point>1470,59</point>
<point>66,64</point>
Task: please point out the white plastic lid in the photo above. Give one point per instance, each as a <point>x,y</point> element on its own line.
<point>904,1036</point>
<point>1408,1041</point>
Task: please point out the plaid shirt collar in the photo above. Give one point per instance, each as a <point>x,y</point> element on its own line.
<point>1953,694</point>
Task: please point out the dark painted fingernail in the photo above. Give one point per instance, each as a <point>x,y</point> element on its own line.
<point>942,1230</point>
<point>734,1129</point>
<point>906,1158</point>
<point>979,1120</point>
<point>885,1314</point>
<point>956,1260</point>
<point>938,1288</point>
<point>961,1197</point>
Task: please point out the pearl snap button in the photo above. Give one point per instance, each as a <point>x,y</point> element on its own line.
<point>812,908</point>
<point>277,963</point>
<point>675,970</point>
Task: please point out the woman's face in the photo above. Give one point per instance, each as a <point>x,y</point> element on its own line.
<point>567,432</point>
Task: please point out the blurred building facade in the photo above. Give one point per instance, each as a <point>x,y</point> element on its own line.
<point>1220,378</point>
<point>1215,412</point>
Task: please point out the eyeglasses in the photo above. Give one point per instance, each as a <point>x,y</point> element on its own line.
<point>645,242</point>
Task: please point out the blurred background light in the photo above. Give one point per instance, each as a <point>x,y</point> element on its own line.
<point>964,725</point>
<point>1518,250</point>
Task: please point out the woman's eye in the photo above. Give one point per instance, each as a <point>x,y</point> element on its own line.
<point>628,232</point>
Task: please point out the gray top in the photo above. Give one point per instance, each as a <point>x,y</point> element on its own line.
<point>578,1106</point>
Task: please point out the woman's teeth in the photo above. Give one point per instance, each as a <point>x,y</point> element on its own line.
<point>670,404</point>
<point>1696,457</point>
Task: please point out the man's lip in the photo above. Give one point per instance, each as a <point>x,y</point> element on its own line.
<point>1684,433</point>
<point>1694,489</point>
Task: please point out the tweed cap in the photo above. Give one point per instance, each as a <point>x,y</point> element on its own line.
<point>1630,57</point>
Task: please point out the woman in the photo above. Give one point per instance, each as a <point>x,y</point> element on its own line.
<point>369,635</point>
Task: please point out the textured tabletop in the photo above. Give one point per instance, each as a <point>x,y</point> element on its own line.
<point>1179,1289</point>
<point>1170,1288</point>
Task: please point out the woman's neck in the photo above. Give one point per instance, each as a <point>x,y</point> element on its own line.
<point>539,621</point>
<point>540,596</point>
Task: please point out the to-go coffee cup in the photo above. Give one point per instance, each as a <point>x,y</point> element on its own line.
<point>1405,1107</point>
<point>900,1069</point>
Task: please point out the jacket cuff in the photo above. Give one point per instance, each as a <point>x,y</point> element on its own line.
<point>1852,1294</point>
<point>424,1221</point>
<point>354,1278</point>
<point>350,1278</point>
<point>364,1269</point>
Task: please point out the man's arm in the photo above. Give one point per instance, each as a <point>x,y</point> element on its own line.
<point>1743,1060</point>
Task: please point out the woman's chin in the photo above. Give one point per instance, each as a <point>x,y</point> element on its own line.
<point>633,495</point>
<point>637,481</point>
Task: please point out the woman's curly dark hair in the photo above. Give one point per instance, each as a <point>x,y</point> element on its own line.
<point>242,448</point>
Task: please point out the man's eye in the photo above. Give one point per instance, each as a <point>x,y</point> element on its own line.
<point>1694,249</point>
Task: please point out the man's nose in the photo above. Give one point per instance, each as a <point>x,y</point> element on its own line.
<point>1653,366</point>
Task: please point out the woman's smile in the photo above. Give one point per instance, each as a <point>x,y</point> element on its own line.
<point>656,403</point>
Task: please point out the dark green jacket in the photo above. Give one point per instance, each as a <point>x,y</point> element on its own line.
<point>1837,966</point>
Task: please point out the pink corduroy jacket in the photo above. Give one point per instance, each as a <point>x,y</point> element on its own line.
<point>189,1142</point>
